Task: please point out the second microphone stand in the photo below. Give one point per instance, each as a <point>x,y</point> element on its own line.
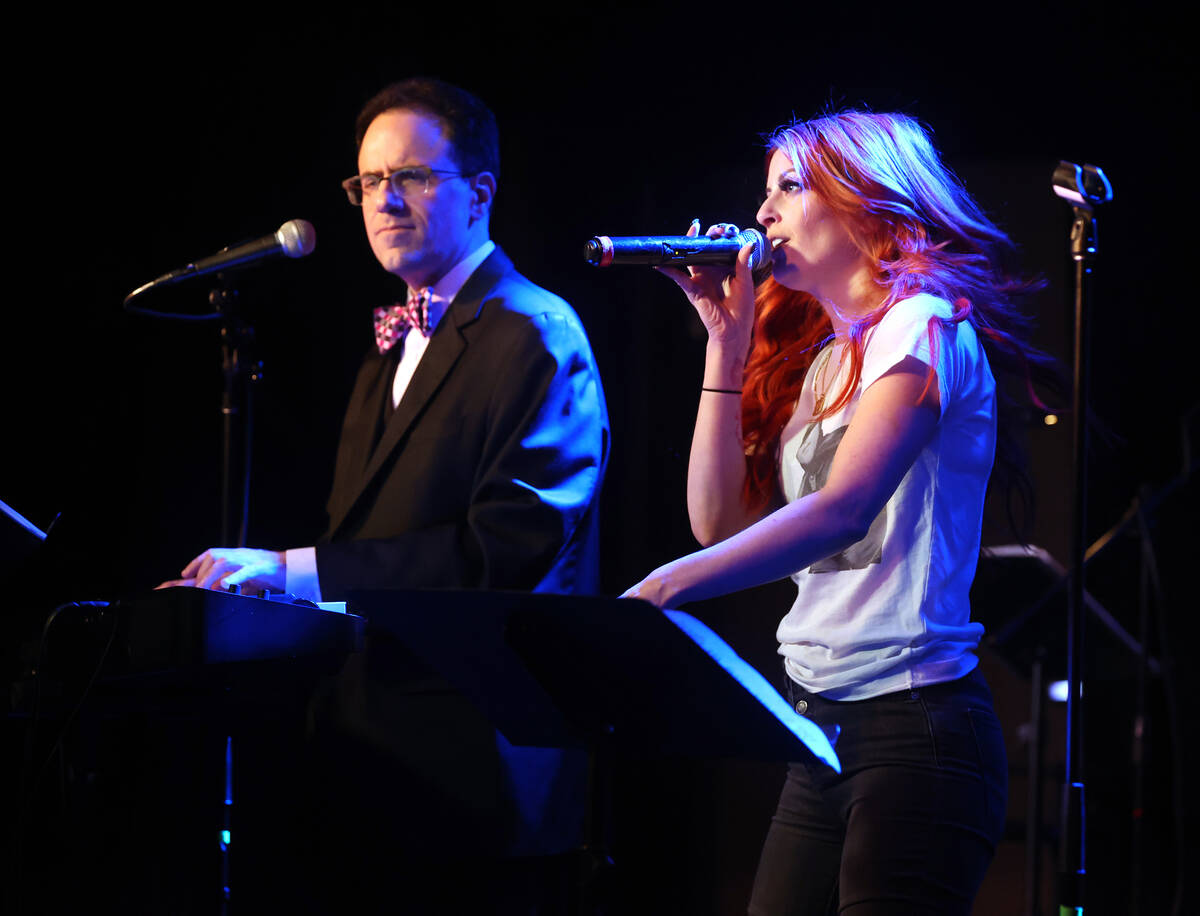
<point>1084,187</point>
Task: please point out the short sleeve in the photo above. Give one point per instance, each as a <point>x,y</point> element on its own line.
<point>904,332</point>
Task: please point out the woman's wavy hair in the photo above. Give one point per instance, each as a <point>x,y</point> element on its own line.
<point>912,218</point>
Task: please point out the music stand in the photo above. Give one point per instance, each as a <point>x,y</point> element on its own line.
<point>558,671</point>
<point>19,539</point>
<point>613,676</point>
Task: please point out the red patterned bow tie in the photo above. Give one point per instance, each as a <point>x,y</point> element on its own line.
<point>391,324</point>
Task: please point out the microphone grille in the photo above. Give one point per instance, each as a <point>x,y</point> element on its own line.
<point>297,237</point>
<point>761,251</point>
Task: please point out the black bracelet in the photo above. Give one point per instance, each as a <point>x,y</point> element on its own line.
<point>723,390</point>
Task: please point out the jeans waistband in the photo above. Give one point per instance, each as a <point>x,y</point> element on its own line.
<point>972,686</point>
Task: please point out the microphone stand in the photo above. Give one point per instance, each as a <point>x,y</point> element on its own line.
<point>294,239</point>
<point>240,371</point>
<point>1084,187</point>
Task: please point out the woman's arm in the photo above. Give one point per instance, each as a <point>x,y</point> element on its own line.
<point>892,424</point>
<point>717,464</point>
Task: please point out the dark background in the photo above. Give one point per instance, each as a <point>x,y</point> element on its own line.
<point>135,149</point>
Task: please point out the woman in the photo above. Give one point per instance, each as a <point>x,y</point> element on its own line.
<point>845,437</point>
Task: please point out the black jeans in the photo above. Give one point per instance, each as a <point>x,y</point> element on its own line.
<point>910,824</point>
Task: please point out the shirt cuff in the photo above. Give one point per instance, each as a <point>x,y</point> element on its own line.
<point>301,574</point>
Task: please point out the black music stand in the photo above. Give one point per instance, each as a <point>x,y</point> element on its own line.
<point>19,539</point>
<point>612,676</point>
<point>557,671</point>
<point>171,676</point>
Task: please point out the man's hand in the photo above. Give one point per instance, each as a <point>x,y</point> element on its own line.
<point>221,567</point>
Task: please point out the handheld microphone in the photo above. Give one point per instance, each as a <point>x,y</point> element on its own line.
<point>294,239</point>
<point>678,250</point>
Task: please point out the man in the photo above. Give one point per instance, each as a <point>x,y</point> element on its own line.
<point>474,447</point>
<point>471,456</point>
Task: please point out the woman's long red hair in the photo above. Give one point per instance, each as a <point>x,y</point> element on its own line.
<point>914,221</point>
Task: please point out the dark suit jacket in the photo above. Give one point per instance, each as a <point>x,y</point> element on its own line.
<point>488,473</point>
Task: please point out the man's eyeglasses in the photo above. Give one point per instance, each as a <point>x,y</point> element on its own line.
<point>405,183</point>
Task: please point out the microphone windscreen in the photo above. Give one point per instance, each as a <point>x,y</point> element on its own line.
<point>761,251</point>
<point>297,237</point>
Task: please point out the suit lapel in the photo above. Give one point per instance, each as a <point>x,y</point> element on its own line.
<point>445,349</point>
<point>358,432</point>
<point>373,388</point>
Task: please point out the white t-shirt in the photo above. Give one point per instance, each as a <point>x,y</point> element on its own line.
<point>892,611</point>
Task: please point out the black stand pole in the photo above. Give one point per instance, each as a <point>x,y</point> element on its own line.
<point>240,371</point>
<point>1084,187</point>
